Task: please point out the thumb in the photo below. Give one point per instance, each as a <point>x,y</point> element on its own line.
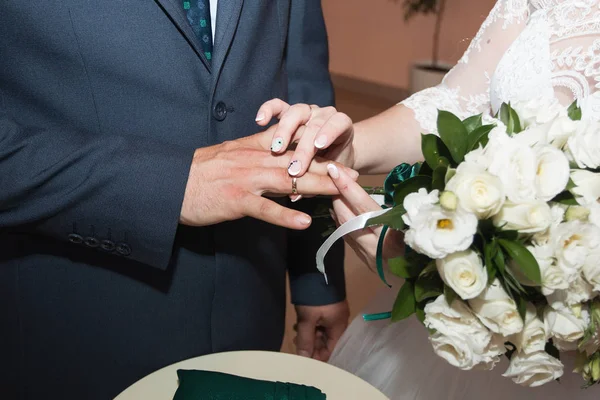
<point>305,339</point>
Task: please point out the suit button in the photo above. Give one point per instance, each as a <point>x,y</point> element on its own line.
<point>220,111</point>
<point>107,245</point>
<point>123,249</point>
<point>91,241</point>
<point>75,238</point>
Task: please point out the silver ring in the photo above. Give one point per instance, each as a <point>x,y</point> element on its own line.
<point>294,185</point>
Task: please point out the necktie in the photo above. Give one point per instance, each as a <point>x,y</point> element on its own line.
<point>198,15</point>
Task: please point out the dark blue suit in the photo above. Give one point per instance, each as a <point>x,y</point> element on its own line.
<point>102,104</point>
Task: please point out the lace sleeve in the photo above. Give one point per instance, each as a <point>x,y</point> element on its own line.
<point>465,90</point>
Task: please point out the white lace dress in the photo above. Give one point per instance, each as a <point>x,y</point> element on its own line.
<point>525,50</point>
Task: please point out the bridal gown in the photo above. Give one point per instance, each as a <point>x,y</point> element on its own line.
<point>536,51</point>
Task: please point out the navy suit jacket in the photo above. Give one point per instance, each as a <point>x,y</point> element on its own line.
<point>102,104</point>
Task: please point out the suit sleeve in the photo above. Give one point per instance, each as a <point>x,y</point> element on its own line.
<point>116,194</point>
<point>309,82</point>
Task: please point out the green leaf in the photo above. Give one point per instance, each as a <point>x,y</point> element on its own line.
<point>472,123</point>
<point>450,172</point>
<point>409,186</point>
<point>489,251</point>
<point>435,151</point>
<point>428,285</point>
<point>454,135</point>
<point>438,179</point>
<point>574,111</point>
<point>567,198</point>
<point>499,261</point>
<point>479,137</point>
<point>508,235</point>
<point>405,304</point>
<point>509,117</point>
<point>405,267</point>
<point>420,313</point>
<point>450,294</point>
<point>522,307</point>
<point>523,258</point>
<point>393,219</point>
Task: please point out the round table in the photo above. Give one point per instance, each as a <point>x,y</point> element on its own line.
<point>337,384</point>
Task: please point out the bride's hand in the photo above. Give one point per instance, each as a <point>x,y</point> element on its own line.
<point>315,129</point>
<point>353,201</point>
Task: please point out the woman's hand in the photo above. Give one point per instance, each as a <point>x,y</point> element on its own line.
<point>316,130</point>
<point>353,201</point>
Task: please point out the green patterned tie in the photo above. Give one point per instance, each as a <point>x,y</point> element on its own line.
<point>198,15</point>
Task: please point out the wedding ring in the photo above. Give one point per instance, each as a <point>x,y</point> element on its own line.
<point>294,185</point>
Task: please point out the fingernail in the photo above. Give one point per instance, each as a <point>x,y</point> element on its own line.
<point>277,144</point>
<point>321,142</point>
<point>333,171</point>
<point>303,219</point>
<point>294,168</point>
<point>332,214</point>
<point>354,174</point>
<point>304,353</point>
<point>296,198</point>
<point>260,116</point>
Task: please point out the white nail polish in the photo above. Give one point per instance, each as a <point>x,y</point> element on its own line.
<point>321,142</point>
<point>277,145</point>
<point>260,117</point>
<point>333,171</point>
<point>295,167</point>
<point>303,219</point>
<point>296,198</point>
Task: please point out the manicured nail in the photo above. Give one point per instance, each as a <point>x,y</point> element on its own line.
<point>332,214</point>
<point>353,174</point>
<point>277,144</point>
<point>321,142</point>
<point>295,167</point>
<point>260,117</point>
<point>303,219</point>
<point>295,198</point>
<point>333,171</point>
<point>303,353</point>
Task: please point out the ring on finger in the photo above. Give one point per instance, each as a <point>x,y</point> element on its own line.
<point>294,185</point>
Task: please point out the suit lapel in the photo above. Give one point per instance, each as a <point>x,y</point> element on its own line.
<point>175,12</point>
<point>228,16</point>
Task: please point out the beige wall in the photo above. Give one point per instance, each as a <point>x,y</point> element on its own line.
<point>369,39</point>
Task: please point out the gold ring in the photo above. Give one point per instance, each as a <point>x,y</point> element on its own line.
<point>294,185</point>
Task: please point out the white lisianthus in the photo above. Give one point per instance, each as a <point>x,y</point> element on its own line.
<point>464,273</point>
<point>579,291</point>
<point>584,145</point>
<point>552,172</point>
<point>573,242</point>
<point>528,217</point>
<point>594,216</point>
<point>448,201</point>
<point>534,369</point>
<point>538,111</point>
<point>533,336</point>
<point>497,310</point>
<point>577,213</point>
<point>553,277</point>
<point>587,186</point>
<point>478,191</point>
<point>561,129</point>
<point>434,231</point>
<point>591,270</point>
<point>557,212</point>
<point>563,325</point>
<point>514,164</point>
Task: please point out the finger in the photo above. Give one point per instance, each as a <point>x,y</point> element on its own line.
<point>288,127</point>
<point>305,339</point>
<point>336,126</point>
<point>306,150</point>
<point>270,109</point>
<point>267,210</point>
<point>317,166</point>
<point>334,333</point>
<point>276,180</point>
<point>359,201</point>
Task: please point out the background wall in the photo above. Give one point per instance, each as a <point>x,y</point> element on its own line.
<point>369,40</point>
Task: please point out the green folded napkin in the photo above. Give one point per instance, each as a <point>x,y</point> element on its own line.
<point>209,385</point>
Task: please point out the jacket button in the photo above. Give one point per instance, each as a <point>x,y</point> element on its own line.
<point>91,241</point>
<point>220,111</point>
<point>75,238</point>
<point>107,245</point>
<point>123,249</point>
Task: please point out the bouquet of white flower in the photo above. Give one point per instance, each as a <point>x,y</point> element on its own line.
<point>502,227</point>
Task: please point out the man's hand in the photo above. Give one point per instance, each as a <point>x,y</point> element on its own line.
<point>227,182</point>
<point>319,328</point>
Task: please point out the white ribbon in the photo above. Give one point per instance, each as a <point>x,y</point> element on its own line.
<point>354,224</point>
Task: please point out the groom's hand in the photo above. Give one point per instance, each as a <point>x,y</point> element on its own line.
<point>228,181</point>
<point>319,328</point>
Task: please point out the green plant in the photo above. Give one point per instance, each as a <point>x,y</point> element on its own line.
<point>437,7</point>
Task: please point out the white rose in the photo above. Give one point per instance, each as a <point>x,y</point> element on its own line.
<point>497,310</point>
<point>533,336</point>
<point>534,369</point>
<point>594,216</point>
<point>529,217</point>
<point>514,164</point>
<point>579,291</point>
<point>464,273</point>
<point>478,191</point>
<point>538,111</point>
<point>572,242</point>
<point>563,324</point>
<point>591,271</point>
<point>436,232</point>
<point>587,186</point>
<point>553,277</point>
<point>454,349</point>
<point>557,212</point>
<point>584,146</point>
<point>552,172</point>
